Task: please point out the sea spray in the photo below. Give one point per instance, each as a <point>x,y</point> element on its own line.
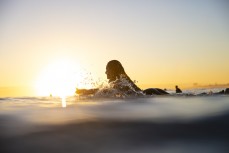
<point>120,88</point>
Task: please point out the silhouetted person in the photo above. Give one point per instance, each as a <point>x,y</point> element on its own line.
<point>178,90</point>
<point>226,91</point>
<point>115,73</point>
<point>222,92</point>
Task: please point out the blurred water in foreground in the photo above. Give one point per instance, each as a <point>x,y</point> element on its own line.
<point>162,124</point>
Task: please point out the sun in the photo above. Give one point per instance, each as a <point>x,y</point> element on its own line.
<point>59,78</point>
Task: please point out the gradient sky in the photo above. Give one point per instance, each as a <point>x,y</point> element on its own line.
<point>159,42</point>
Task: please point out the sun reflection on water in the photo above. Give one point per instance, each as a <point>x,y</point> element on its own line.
<point>63,99</point>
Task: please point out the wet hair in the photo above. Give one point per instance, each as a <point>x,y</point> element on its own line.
<point>118,71</point>
<point>116,67</point>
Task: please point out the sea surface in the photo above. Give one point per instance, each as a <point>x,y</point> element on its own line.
<point>178,123</point>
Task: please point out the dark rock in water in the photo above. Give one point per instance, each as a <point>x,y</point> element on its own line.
<point>221,92</point>
<point>154,91</point>
<point>151,91</point>
<point>226,91</point>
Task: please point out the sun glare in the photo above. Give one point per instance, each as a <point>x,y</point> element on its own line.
<point>58,79</point>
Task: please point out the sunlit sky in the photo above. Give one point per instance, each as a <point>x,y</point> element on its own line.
<point>161,43</point>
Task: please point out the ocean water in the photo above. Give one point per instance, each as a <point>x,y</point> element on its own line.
<point>179,123</point>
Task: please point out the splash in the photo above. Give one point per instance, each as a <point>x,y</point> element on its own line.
<point>120,88</point>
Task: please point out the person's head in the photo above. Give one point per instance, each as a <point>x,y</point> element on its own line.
<point>176,86</point>
<point>114,70</point>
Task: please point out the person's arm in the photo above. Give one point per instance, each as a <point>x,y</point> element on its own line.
<point>86,91</point>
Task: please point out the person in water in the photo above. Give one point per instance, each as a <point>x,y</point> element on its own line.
<point>225,92</point>
<point>115,75</point>
<point>178,90</point>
